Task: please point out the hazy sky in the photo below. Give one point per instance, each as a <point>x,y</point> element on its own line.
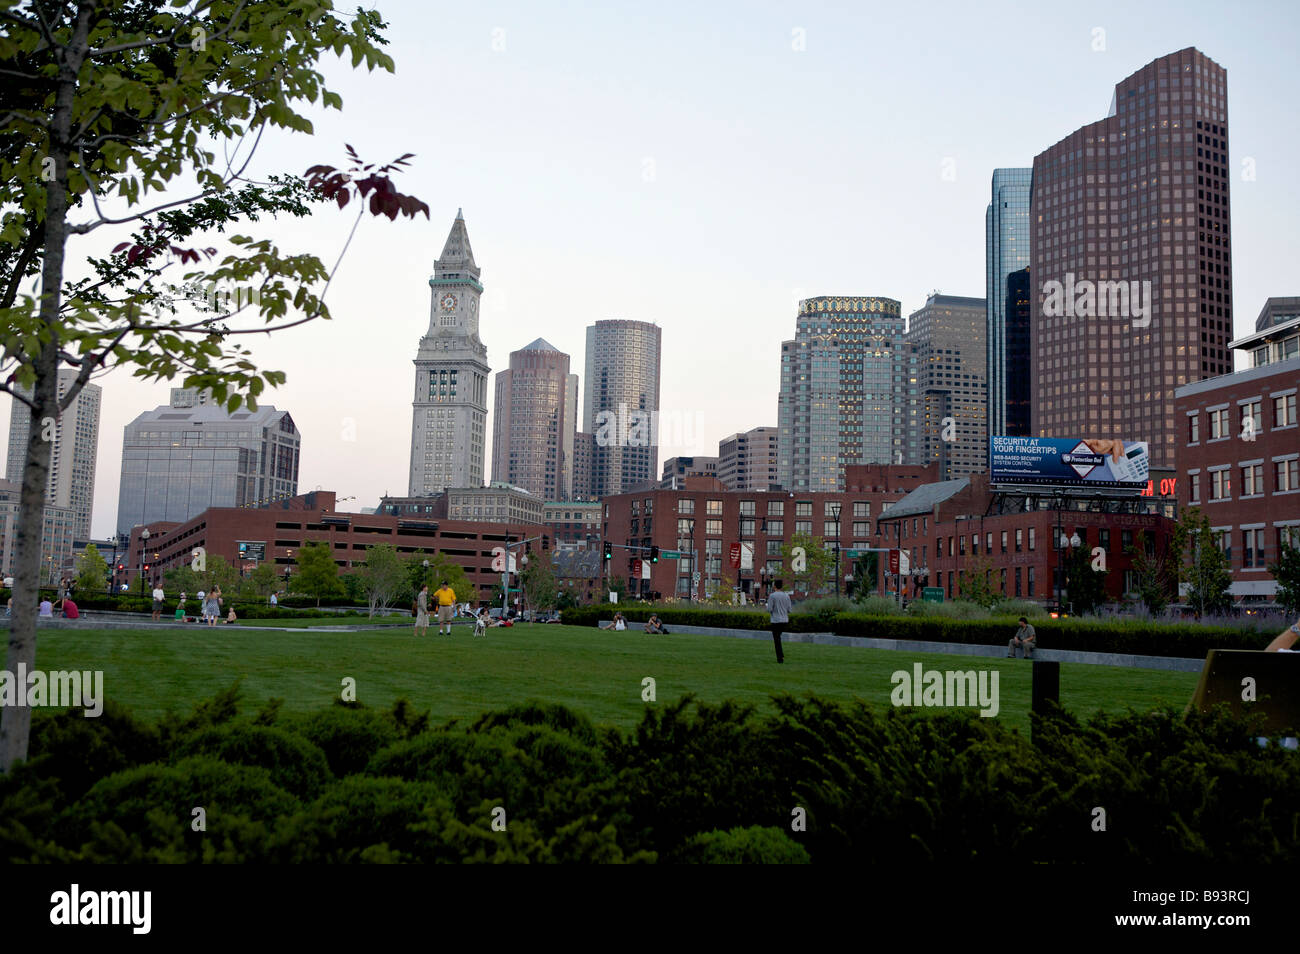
<point>703,166</point>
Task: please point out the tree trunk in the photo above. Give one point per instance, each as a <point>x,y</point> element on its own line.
<point>16,720</point>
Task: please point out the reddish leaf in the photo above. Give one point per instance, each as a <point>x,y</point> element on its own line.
<point>343,197</point>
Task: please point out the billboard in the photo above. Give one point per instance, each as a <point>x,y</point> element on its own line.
<point>1094,462</point>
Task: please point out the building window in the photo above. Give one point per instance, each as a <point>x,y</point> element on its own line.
<point>1252,412</point>
<point>1286,475</point>
<point>1002,581</point>
<point>803,508</point>
<point>684,505</point>
<point>1284,410</point>
<point>961,548</point>
<point>1219,424</point>
<point>774,548</point>
<point>713,527</point>
<point>776,508</point>
<point>746,526</point>
<point>1004,541</point>
<point>1288,537</point>
<point>1019,538</point>
<point>1030,576</point>
<point>1018,581</point>
<point>1220,485</point>
<point>713,507</point>
<point>1196,487</point>
<point>988,543</point>
<point>1104,539</point>
<point>747,508</point>
<point>938,546</point>
<point>862,508</point>
<point>862,528</point>
<point>1223,540</point>
<point>1032,534</point>
<point>1194,428</point>
<point>685,527</point>
<point>804,527</point>
<point>1252,548</point>
<point>830,528</point>
<point>776,527</point>
<point>1252,480</point>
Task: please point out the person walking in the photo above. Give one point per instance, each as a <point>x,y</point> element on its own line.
<point>422,611</point>
<point>158,597</point>
<point>778,606</point>
<point>446,600</point>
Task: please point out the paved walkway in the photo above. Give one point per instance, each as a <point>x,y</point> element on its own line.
<point>1166,663</point>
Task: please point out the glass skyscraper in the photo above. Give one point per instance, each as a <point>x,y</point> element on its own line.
<point>846,387</point>
<point>1006,250</point>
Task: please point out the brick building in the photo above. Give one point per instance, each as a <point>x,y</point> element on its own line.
<point>702,514</point>
<point>945,526</point>
<point>574,525</point>
<point>275,533</point>
<point>1239,452</point>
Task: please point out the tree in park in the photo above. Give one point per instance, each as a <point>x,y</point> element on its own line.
<point>1206,570</point>
<point>1286,571</point>
<point>1085,585</point>
<point>537,581</point>
<point>106,104</point>
<point>1155,571</point>
<point>318,574</point>
<point>810,566</point>
<point>440,568</point>
<point>383,578</point>
<point>92,571</point>
<point>261,580</point>
<point>974,582</point>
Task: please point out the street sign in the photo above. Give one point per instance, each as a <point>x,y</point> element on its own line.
<point>854,554</point>
<point>670,554</point>
<point>734,556</point>
<point>932,594</point>
<point>899,562</point>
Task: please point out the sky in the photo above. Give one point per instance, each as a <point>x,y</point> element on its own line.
<point>703,167</point>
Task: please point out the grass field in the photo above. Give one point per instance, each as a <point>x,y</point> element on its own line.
<point>597,673</point>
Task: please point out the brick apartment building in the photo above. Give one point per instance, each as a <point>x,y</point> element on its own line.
<point>702,514</point>
<point>1239,452</point>
<point>274,534</point>
<point>945,526</point>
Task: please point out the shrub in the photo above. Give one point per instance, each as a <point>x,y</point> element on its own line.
<point>293,763</point>
<point>754,845</point>
<point>877,606</point>
<point>954,609</point>
<point>349,737</point>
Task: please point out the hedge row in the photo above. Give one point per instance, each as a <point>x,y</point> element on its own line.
<point>715,783</point>
<point>134,603</point>
<point>1189,640</point>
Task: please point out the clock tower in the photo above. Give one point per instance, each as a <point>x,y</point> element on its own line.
<point>449,423</point>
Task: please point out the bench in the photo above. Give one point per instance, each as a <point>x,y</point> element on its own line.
<point>1276,685</point>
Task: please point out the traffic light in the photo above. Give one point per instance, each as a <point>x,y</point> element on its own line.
<point>609,551</point>
<point>654,554</point>
<point>146,567</point>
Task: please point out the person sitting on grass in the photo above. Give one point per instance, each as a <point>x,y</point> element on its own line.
<point>230,617</point>
<point>654,626</point>
<point>47,609</point>
<point>1025,638</point>
<point>70,610</point>
<point>180,612</point>
<point>1285,640</point>
<point>617,623</point>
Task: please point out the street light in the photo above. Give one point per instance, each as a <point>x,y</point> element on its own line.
<point>144,541</point>
<point>835,512</point>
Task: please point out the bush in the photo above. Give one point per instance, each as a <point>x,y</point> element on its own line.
<point>294,764</point>
<point>744,846</point>
<point>877,606</point>
<point>953,609</point>
<point>349,737</point>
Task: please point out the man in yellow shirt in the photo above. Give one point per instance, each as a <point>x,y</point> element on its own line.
<point>446,602</point>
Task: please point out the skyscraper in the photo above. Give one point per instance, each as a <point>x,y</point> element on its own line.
<point>71,484</point>
<point>1006,250</point>
<point>1019,390</point>
<point>1132,259</point>
<point>534,422</point>
<point>748,460</point>
<point>948,334</point>
<point>845,389</point>
<point>184,457</point>
<point>449,413</point>
<point>621,403</point>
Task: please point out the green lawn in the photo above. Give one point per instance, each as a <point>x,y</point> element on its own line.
<point>291,623</point>
<point>598,673</point>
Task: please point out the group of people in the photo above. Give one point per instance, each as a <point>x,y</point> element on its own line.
<point>444,598</point>
<point>653,625</point>
<point>209,607</point>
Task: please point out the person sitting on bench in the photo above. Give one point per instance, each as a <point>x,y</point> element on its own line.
<point>652,625</point>
<point>618,623</point>
<point>1285,640</point>
<point>1025,638</point>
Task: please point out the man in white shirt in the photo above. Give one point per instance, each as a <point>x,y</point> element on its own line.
<point>158,597</point>
<point>778,605</point>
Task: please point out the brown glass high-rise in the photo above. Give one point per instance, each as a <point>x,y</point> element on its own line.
<point>1141,196</point>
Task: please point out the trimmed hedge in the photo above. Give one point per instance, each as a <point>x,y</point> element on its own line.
<point>693,782</point>
<point>1188,640</point>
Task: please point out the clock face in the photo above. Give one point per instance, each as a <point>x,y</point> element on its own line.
<point>448,302</point>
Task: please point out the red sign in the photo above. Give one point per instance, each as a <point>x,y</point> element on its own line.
<point>893,562</point>
<point>735,556</point>
<point>636,568</point>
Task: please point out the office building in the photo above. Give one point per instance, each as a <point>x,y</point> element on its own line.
<point>1130,236</point>
<point>535,418</point>
<point>846,385</point>
<point>1016,362</point>
<point>449,412</point>
<point>71,481</point>
<point>948,335</point>
<point>679,468</point>
<point>1006,252</point>
<point>748,460</point>
<point>621,403</point>
<point>184,457</point>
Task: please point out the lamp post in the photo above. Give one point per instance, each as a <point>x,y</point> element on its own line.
<point>835,512</point>
<point>1062,542</point>
<point>144,541</point>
